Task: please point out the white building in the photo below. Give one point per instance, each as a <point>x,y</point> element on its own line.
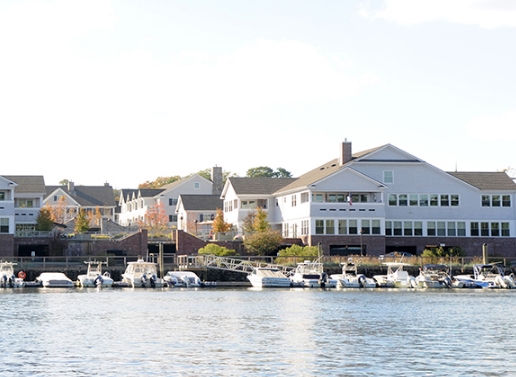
<point>383,199</point>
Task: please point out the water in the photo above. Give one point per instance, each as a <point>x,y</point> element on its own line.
<point>250,332</point>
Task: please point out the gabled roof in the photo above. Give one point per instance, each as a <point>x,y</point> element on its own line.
<point>486,180</point>
<point>201,202</point>
<point>127,194</point>
<point>150,193</point>
<point>88,196</point>
<point>28,184</point>
<point>259,185</point>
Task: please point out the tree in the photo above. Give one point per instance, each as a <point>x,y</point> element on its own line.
<point>155,220</point>
<point>263,243</point>
<point>265,171</point>
<point>82,223</point>
<point>260,223</point>
<point>248,222</point>
<point>219,225</point>
<point>64,182</point>
<point>159,182</point>
<point>44,221</point>
<point>214,249</point>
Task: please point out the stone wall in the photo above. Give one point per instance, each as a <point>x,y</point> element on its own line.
<point>6,245</point>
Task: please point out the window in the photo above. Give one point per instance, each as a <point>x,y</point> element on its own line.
<point>402,200</point>
<point>393,200</point>
<point>172,201</point>
<point>304,197</point>
<point>506,200</point>
<point>343,227</point>
<point>407,228</point>
<point>317,198</point>
<point>285,230</point>
<point>332,198</point>
<point>461,229</point>
<point>452,230</point>
<point>486,201</point>
<point>495,230</point>
<point>505,230</point>
<point>454,200</point>
<point>330,226</point>
<point>376,227</point>
<point>294,200</point>
<point>413,200</point>
<point>441,228</point>
<point>388,228</point>
<point>423,200</point>
<point>445,200</point>
<point>2,195</point>
<point>172,218</point>
<point>294,230</point>
<point>430,228</point>
<point>4,225</point>
<point>319,226</point>
<point>365,227</point>
<point>397,228</point>
<point>197,185</point>
<point>353,229</point>
<point>24,203</point>
<point>484,229</point>
<point>248,204</point>
<point>475,232</point>
<point>388,176</point>
<point>434,200</point>
<point>304,227</point>
<point>418,228</point>
<point>495,201</point>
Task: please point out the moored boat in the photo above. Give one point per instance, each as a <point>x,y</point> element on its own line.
<point>350,278</point>
<point>268,277</point>
<point>141,274</point>
<point>311,275</point>
<point>54,280</point>
<point>434,276</point>
<point>489,276</point>
<point>396,276</point>
<point>94,276</point>
<point>7,277</point>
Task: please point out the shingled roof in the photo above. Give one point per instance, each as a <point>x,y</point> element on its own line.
<point>28,183</point>
<point>258,185</point>
<point>486,180</point>
<point>192,202</point>
<point>88,196</point>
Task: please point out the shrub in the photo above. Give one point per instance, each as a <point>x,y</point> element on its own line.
<point>214,249</point>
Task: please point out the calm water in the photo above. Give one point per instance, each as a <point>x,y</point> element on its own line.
<point>249,332</point>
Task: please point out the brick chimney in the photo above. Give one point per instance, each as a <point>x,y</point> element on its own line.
<point>216,178</point>
<point>345,152</point>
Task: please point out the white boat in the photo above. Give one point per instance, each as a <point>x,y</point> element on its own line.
<point>489,276</point>
<point>311,275</point>
<point>142,274</point>
<point>396,276</point>
<point>7,277</point>
<point>268,277</point>
<point>94,276</point>
<point>187,279</point>
<point>433,276</point>
<point>350,278</point>
<point>54,280</point>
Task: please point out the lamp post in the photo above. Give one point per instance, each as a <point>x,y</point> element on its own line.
<point>195,221</point>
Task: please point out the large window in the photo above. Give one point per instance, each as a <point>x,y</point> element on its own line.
<point>343,227</point>
<point>486,229</point>
<point>24,203</point>
<point>319,226</point>
<point>304,197</point>
<point>4,225</point>
<point>330,227</point>
<point>496,200</point>
<point>305,227</point>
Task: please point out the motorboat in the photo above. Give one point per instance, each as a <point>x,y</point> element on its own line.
<point>434,276</point>
<point>350,278</point>
<point>142,274</point>
<point>7,277</point>
<point>268,277</point>
<point>396,276</point>
<point>94,276</point>
<point>489,276</point>
<point>54,280</point>
<point>187,279</point>
<point>311,275</point>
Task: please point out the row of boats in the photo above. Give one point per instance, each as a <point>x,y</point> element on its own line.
<point>138,274</point>
<point>311,275</point>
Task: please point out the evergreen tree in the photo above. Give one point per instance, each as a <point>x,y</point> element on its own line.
<point>82,224</point>
<point>44,221</point>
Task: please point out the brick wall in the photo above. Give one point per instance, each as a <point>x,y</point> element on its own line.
<point>6,245</point>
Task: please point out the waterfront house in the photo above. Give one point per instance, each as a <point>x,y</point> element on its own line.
<point>380,200</point>
<point>197,212</point>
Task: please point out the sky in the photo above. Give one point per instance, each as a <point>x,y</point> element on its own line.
<point>125,91</point>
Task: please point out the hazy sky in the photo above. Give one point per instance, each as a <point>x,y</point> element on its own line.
<point>124,91</point>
